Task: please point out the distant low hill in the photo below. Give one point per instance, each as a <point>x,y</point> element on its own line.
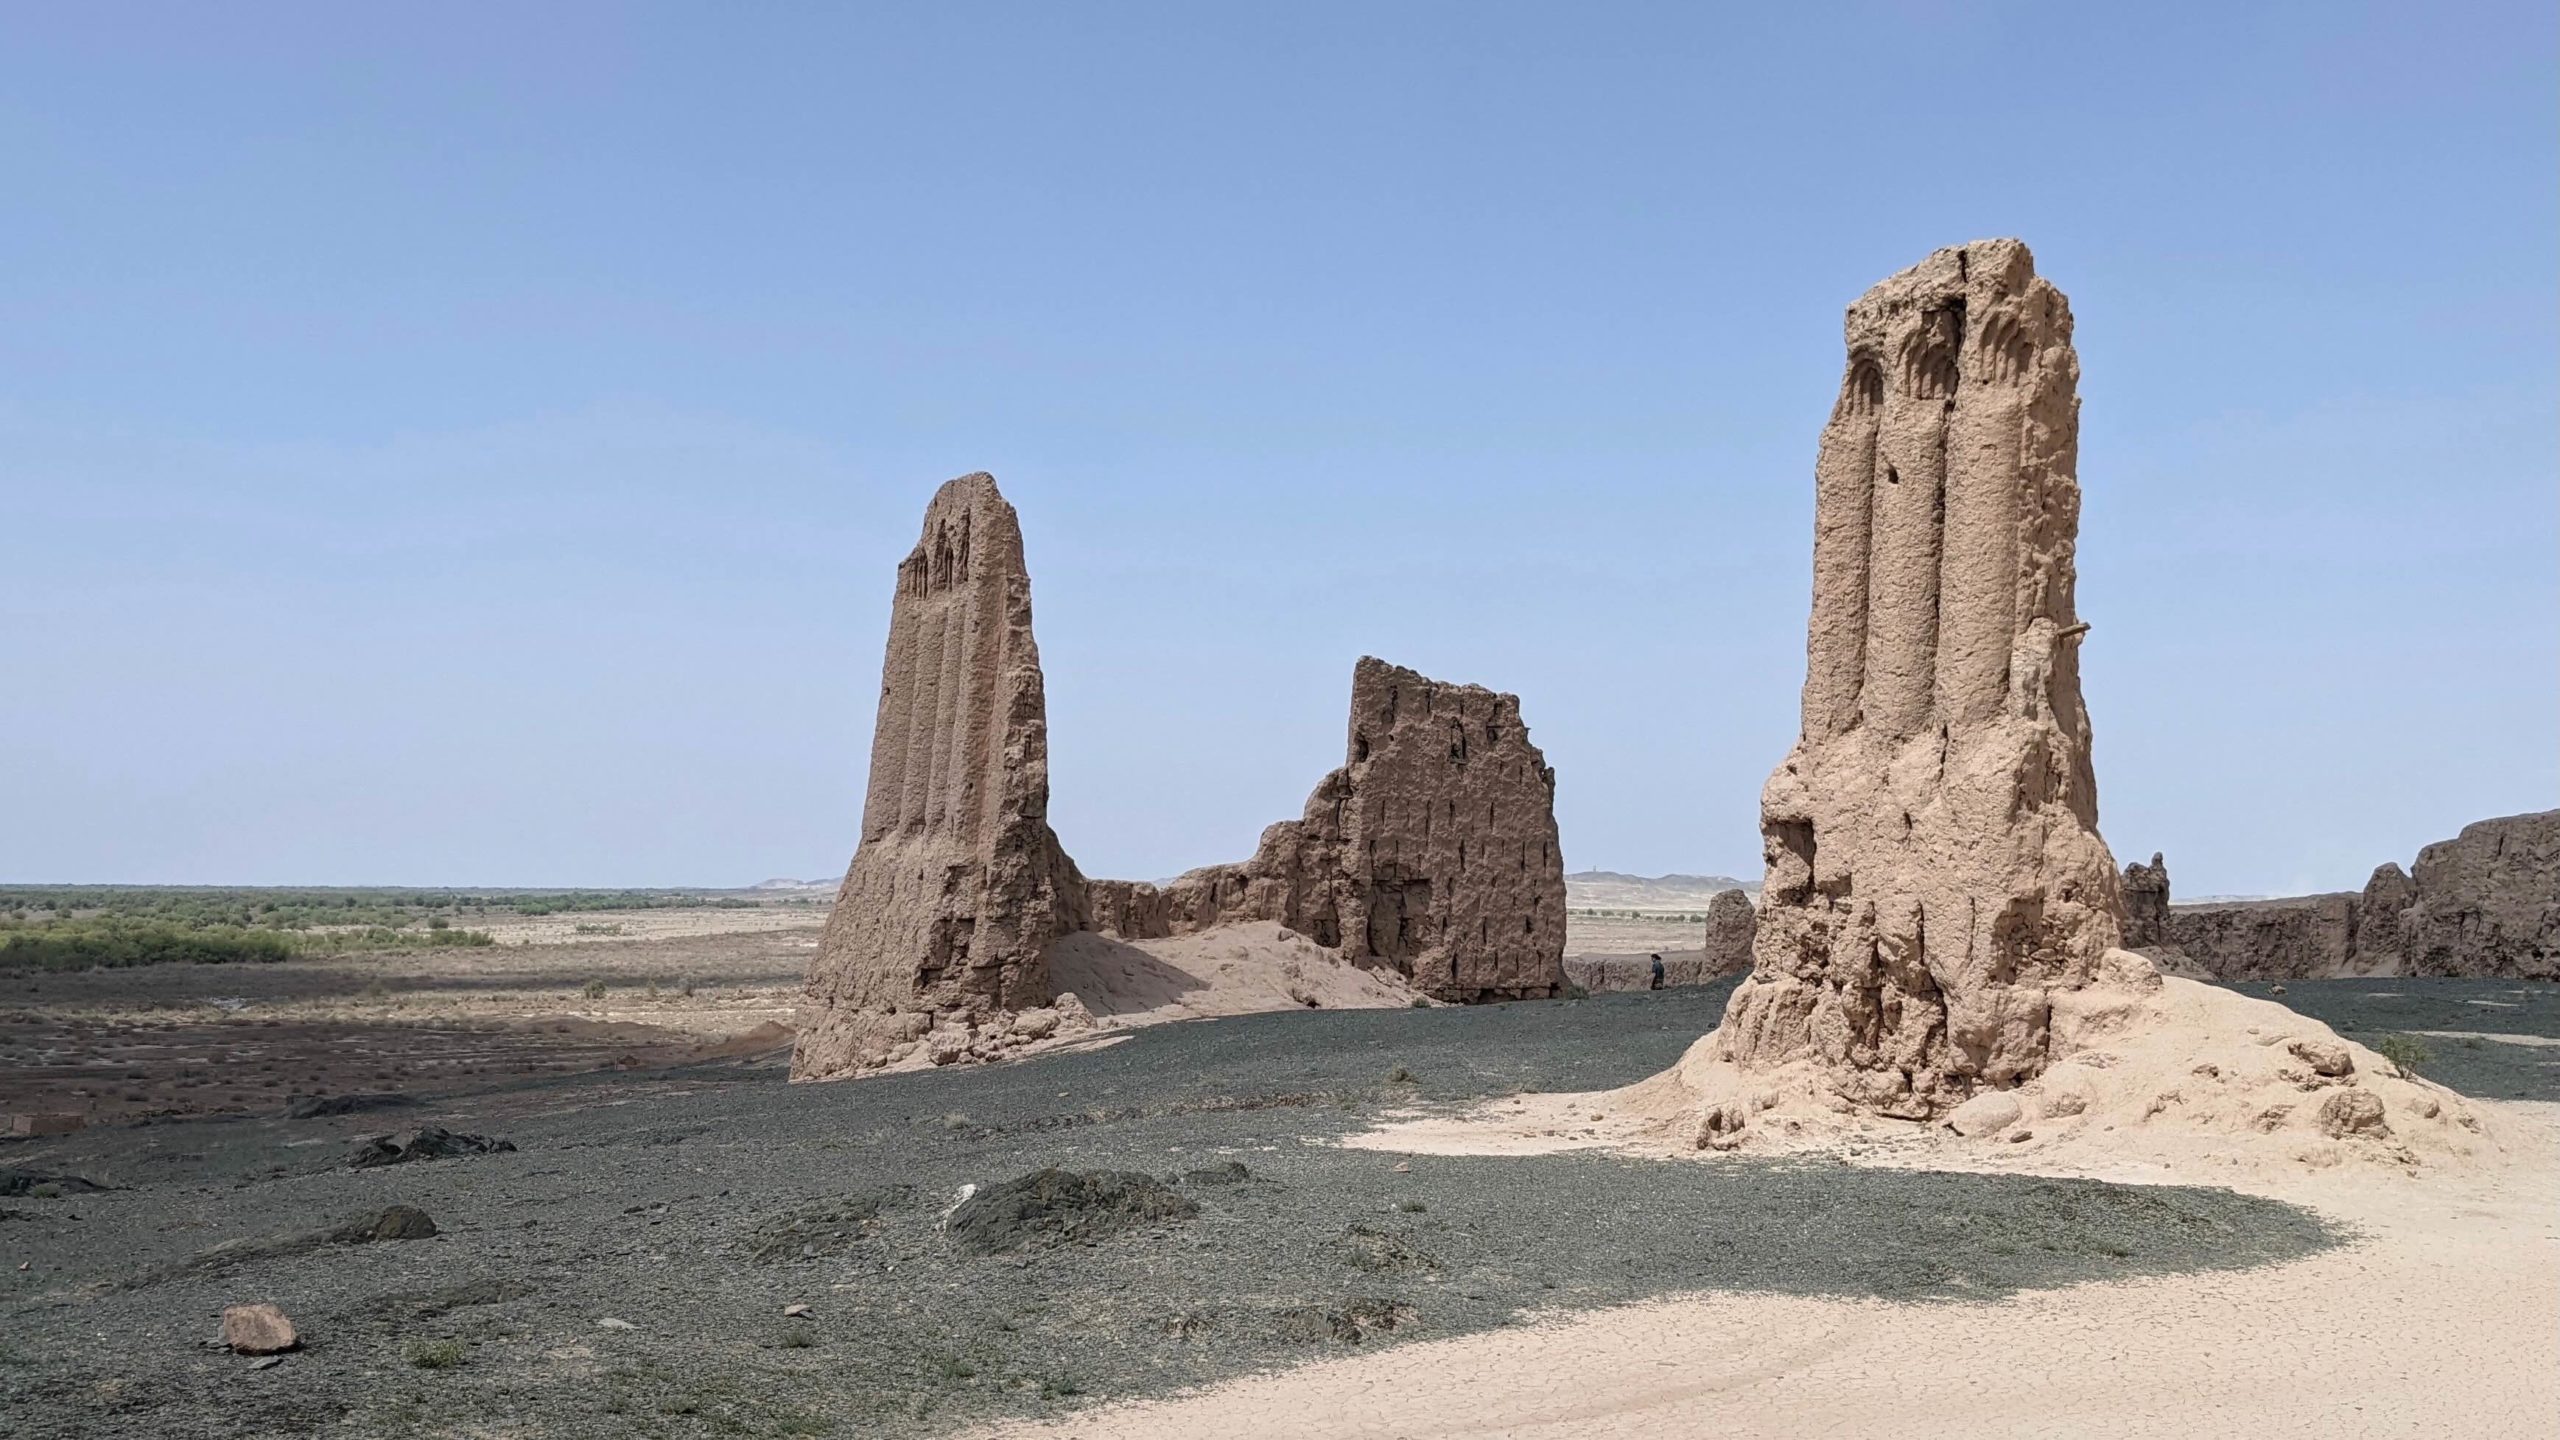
<point>1610,890</point>
<point>793,886</point>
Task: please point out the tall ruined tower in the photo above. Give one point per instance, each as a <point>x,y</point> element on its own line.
<point>958,884</point>
<point>1934,866</point>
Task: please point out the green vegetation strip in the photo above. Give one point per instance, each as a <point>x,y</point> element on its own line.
<point>80,927</point>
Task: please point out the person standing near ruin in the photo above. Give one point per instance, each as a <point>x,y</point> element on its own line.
<point>1657,974</point>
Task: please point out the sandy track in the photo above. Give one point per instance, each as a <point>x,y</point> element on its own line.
<point>2443,1319</point>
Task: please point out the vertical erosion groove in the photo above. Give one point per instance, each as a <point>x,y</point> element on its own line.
<point>1902,604</point>
<point>1844,477</point>
<point>1979,572</point>
<point>949,694</point>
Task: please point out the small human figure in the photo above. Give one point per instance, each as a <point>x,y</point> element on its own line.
<point>1657,974</point>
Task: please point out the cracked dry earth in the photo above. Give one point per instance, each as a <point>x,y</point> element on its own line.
<point>634,1265</point>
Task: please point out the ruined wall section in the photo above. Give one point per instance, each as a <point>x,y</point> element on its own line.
<point>2485,903</point>
<point>1432,851</point>
<point>2146,903</point>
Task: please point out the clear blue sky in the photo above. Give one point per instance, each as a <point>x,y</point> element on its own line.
<point>454,444</point>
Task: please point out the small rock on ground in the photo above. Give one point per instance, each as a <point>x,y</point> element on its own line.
<point>258,1330</point>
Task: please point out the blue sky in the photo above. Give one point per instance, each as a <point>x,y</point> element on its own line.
<point>472,444</point>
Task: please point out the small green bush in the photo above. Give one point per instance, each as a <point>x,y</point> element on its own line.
<point>434,1354</point>
<point>2406,1052</point>
<point>595,989</point>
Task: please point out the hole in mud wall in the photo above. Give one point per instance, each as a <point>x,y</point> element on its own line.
<point>1791,858</point>
<point>1359,747</point>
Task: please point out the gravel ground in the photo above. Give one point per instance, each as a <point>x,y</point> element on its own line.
<point>2473,1011</point>
<point>692,1206</point>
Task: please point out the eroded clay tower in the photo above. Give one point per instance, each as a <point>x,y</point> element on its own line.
<point>958,884</point>
<point>1934,865</point>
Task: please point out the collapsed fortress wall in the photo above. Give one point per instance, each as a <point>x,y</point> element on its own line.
<point>1431,851</point>
<point>2485,903</point>
<point>1935,872</point>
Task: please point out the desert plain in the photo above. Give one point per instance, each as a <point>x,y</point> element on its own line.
<point>679,1242</point>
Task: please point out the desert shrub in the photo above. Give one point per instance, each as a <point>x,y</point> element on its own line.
<point>96,945</point>
<point>595,989</point>
<point>2407,1052</point>
<point>434,1354</point>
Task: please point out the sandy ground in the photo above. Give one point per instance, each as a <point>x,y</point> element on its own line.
<point>1107,986</point>
<point>669,924</point>
<point>2441,1317</point>
<point>1233,970</point>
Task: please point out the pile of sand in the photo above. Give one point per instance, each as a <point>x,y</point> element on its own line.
<point>2146,1075</point>
<point>1107,986</point>
<point>1241,969</point>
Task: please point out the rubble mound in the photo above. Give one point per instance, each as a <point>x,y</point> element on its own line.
<point>427,1142</point>
<point>1053,1207</point>
<point>394,1222</point>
